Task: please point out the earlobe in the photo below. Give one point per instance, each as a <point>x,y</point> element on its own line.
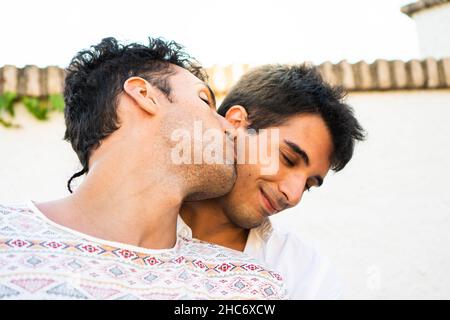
<point>237,116</point>
<point>142,93</point>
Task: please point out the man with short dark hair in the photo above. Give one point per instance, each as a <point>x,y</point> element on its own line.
<point>315,131</point>
<point>115,236</point>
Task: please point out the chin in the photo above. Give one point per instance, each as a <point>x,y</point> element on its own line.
<point>247,221</point>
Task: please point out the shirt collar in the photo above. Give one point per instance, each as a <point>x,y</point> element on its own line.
<point>183,229</point>
<point>264,231</point>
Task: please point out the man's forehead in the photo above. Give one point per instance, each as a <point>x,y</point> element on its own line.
<point>311,135</point>
<point>184,74</point>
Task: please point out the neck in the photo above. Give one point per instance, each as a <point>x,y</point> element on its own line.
<point>210,223</point>
<point>119,201</point>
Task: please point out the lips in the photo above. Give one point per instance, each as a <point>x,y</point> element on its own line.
<point>269,204</point>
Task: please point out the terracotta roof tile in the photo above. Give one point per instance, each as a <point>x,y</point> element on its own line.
<point>361,76</point>
<point>412,8</point>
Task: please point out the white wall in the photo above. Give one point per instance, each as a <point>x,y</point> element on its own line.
<point>433,29</point>
<point>384,221</point>
<point>35,162</point>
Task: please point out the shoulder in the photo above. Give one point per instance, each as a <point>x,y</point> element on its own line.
<point>20,220</point>
<point>6,208</point>
<point>308,274</point>
<point>228,262</point>
<point>15,209</point>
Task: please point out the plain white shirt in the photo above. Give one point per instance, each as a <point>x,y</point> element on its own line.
<point>306,273</point>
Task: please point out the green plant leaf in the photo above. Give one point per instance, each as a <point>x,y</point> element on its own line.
<point>56,102</point>
<point>38,108</point>
<point>7,100</point>
<point>8,124</point>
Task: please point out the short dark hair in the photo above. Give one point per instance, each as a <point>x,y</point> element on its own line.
<point>272,94</point>
<point>95,78</point>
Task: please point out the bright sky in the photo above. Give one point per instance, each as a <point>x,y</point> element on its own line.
<point>49,32</point>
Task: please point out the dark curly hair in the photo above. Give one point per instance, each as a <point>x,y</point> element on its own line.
<point>272,94</point>
<point>95,78</point>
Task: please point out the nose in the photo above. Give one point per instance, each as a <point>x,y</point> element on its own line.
<point>293,187</point>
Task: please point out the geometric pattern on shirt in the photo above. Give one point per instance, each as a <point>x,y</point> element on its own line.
<point>51,263</point>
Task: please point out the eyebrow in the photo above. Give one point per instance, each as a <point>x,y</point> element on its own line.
<point>302,153</point>
<point>296,148</point>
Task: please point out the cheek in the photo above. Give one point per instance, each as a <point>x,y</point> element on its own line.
<point>248,173</point>
<point>210,120</point>
<point>247,182</point>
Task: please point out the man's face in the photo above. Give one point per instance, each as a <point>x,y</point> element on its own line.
<point>304,147</point>
<point>191,110</point>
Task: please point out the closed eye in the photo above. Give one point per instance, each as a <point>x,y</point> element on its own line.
<point>289,162</point>
<point>206,101</point>
<point>204,97</point>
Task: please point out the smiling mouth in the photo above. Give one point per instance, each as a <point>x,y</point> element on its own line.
<point>267,204</point>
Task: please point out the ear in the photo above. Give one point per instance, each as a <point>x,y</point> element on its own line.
<point>142,93</point>
<point>237,116</point>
